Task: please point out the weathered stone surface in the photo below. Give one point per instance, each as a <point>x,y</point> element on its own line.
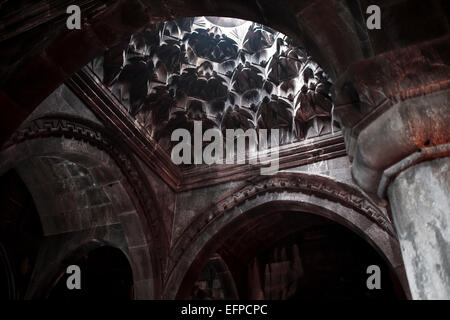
<point>339,169</point>
<point>420,202</point>
<point>131,221</point>
<point>187,207</point>
<point>405,128</point>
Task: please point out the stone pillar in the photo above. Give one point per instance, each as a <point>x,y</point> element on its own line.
<point>420,201</point>
<point>395,118</point>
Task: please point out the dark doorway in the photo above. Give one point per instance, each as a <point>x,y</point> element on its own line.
<point>105,274</point>
<point>322,262</point>
<point>20,236</point>
<point>301,256</point>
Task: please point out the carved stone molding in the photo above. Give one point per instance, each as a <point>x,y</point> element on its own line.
<point>422,155</point>
<point>296,154</point>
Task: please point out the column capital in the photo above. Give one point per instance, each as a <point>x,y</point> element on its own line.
<point>392,106</point>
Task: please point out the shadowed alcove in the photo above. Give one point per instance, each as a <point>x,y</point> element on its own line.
<point>106,274</point>
<point>276,254</point>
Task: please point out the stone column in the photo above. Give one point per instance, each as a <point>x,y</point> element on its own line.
<point>404,157</point>
<point>395,118</point>
<point>420,201</point>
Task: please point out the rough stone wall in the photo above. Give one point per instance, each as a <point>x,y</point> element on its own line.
<point>338,169</point>
<point>62,101</point>
<point>166,199</point>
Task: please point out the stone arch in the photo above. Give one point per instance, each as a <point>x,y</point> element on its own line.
<point>294,192</point>
<point>115,196</point>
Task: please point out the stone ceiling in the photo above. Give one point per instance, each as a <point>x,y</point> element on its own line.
<point>228,73</point>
